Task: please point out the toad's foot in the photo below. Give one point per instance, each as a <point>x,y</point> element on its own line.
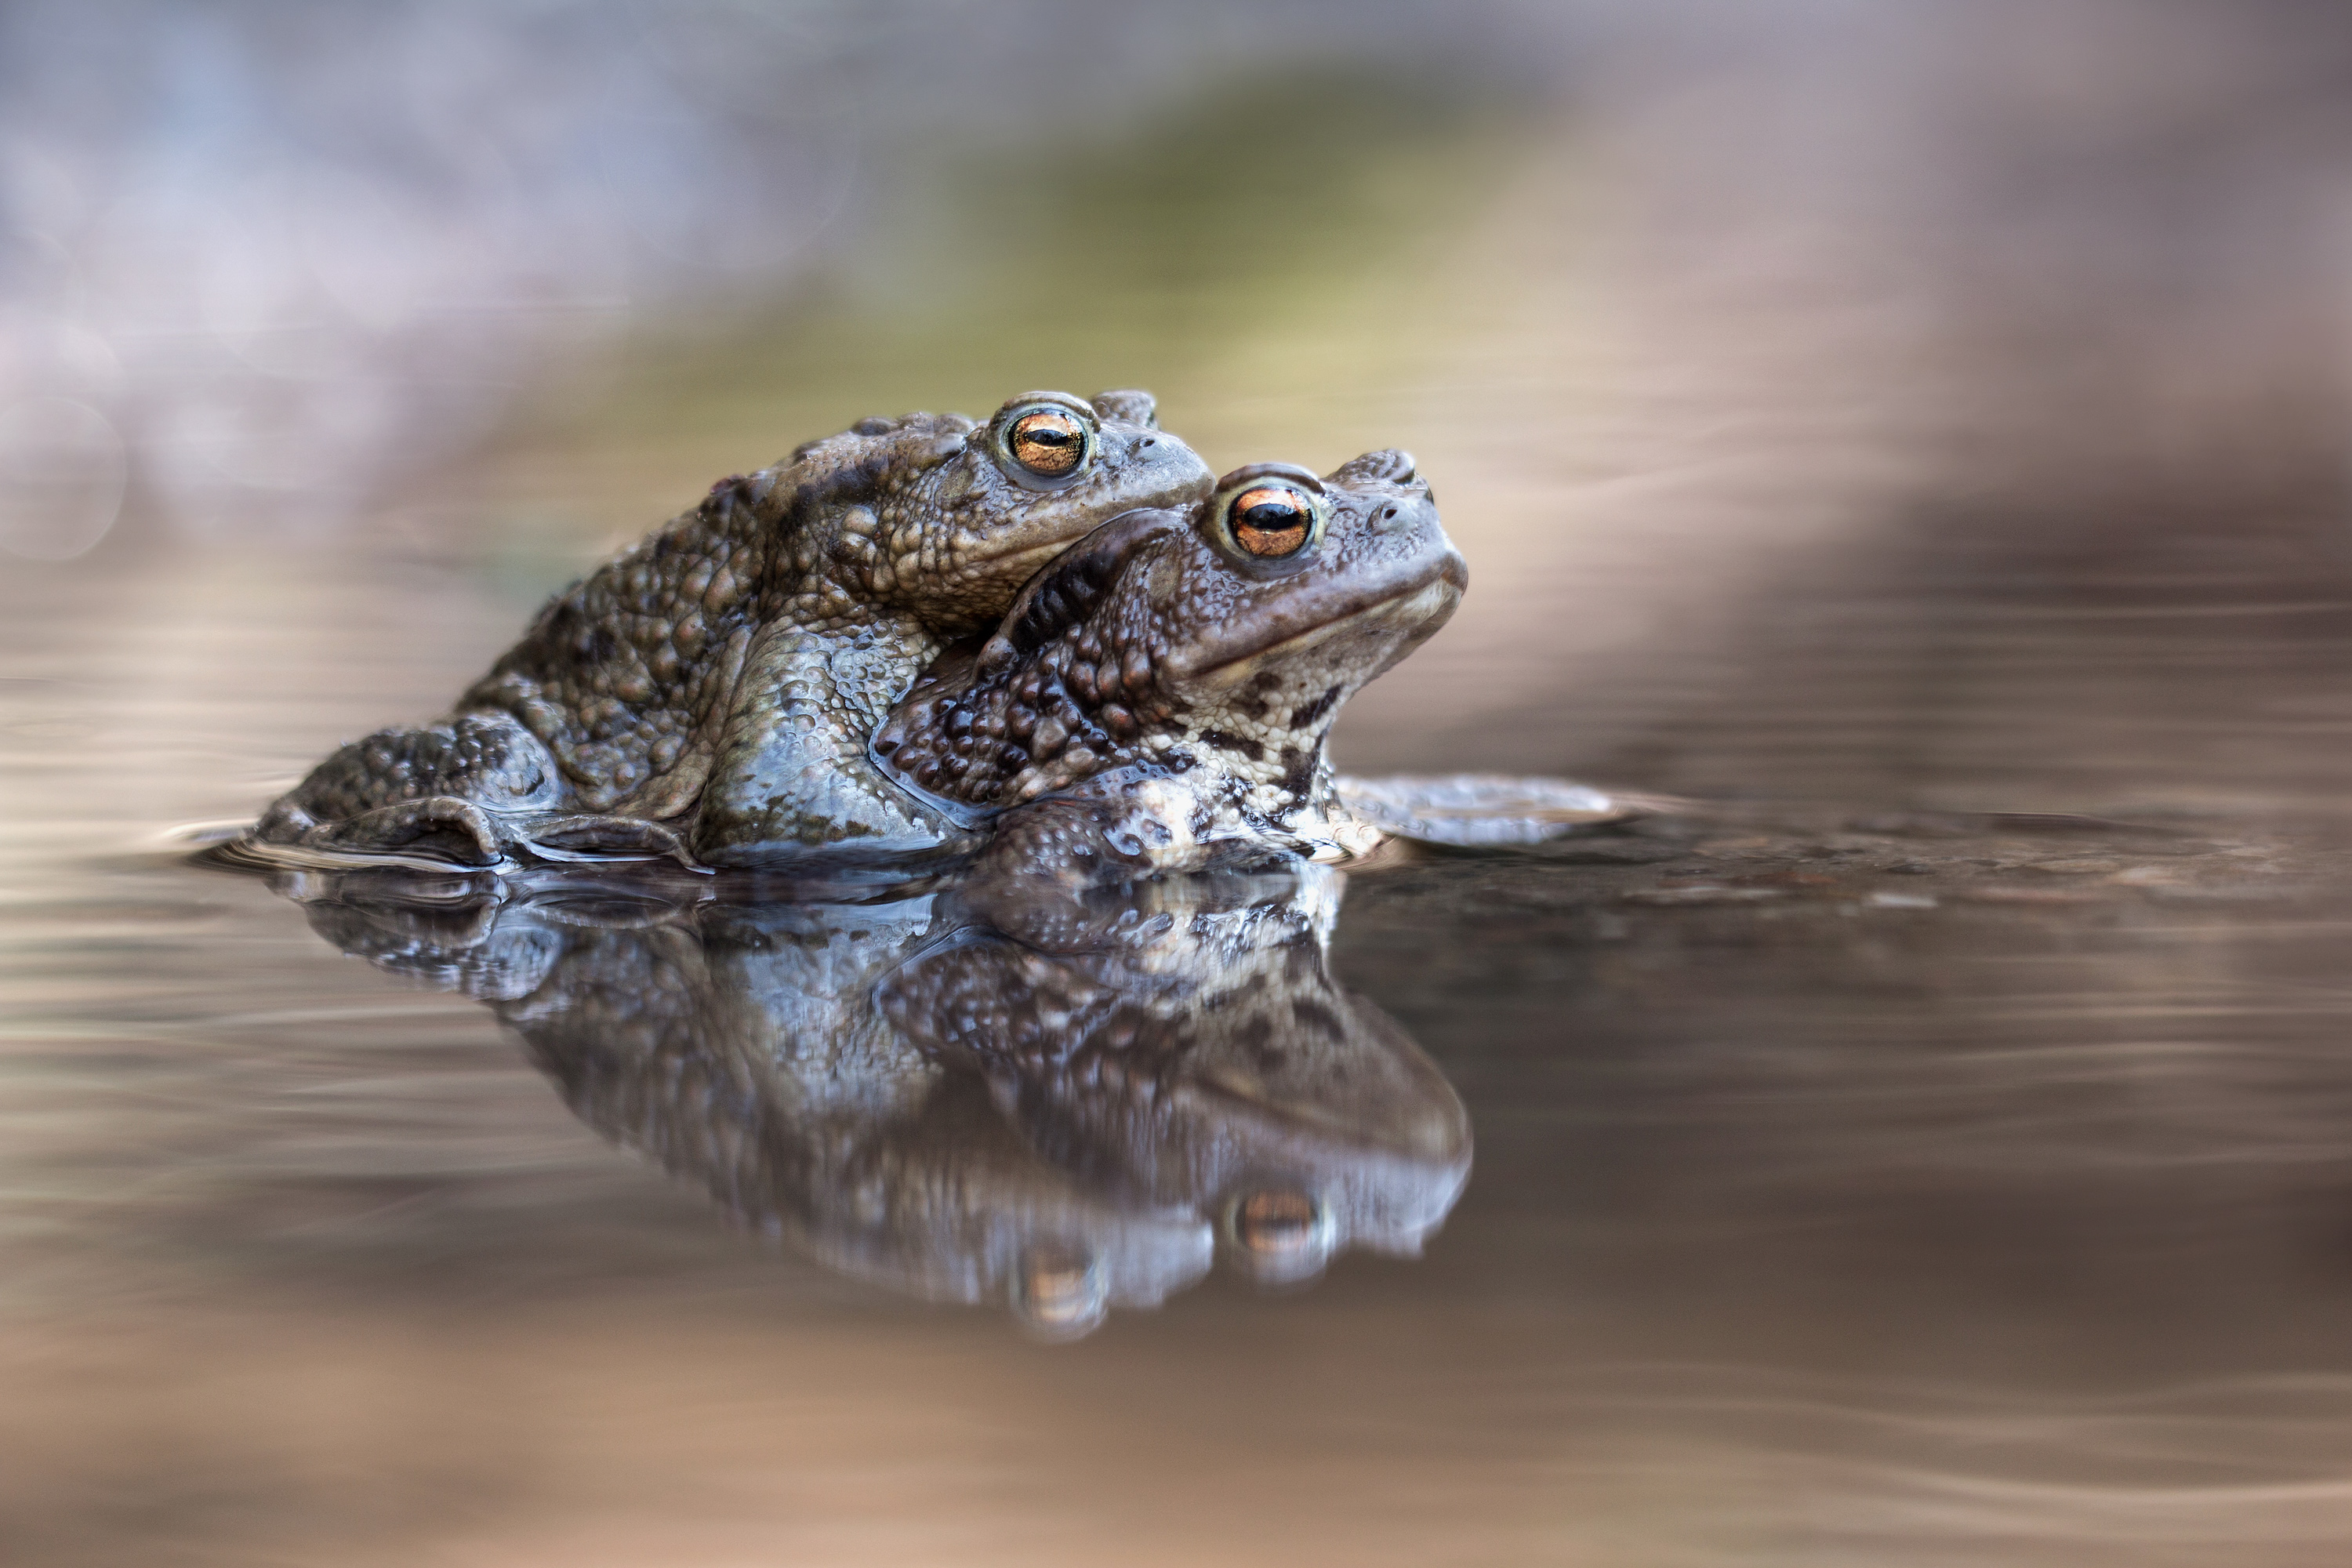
<point>793,774</point>
<point>434,787</point>
<point>440,826</point>
<point>446,829</point>
<point>488,759</point>
<point>1480,810</point>
<point>471,789</point>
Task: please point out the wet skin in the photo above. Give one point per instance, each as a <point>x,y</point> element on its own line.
<point>1158,698</point>
<point>712,689</point>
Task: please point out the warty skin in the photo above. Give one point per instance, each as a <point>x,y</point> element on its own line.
<point>711,688</point>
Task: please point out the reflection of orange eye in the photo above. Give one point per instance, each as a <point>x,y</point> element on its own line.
<point>1276,1221</point>
<point>1048,442</point>
<point>1271,521</point>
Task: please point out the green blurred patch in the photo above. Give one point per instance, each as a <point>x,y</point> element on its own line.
<point>1262,242</point>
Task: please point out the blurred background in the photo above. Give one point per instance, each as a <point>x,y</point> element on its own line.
<point>1895,404</point>
<point>1715,323</point>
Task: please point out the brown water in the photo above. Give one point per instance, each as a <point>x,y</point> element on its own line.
<point>1932,1146</point>
<point>1848,1185</point>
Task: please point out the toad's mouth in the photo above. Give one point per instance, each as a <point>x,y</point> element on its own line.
<point>1158,491</point>
<point>1027,560</point>
<point>1415,612</point>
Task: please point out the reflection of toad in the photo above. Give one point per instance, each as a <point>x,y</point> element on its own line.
<point>1160,697</point>
<point>714,686</point>
<point>994,1092</point>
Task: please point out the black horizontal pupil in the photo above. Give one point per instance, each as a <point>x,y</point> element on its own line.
<point>1271,517</point>
<point>1047,436</point>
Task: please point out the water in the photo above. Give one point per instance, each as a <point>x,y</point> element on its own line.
<point>1929,1143</point>
<point>1848,1184</point>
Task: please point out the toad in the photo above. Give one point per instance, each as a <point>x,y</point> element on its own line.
<point>711,690</point>
<point>1160,697</point>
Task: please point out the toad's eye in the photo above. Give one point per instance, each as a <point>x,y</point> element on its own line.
<point>1048,442</point>
<point>1270,521</point>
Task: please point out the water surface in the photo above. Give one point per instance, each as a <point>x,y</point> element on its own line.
<point>1849,1184</point>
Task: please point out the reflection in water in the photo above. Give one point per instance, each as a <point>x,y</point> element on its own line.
<point>988,1093</point>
